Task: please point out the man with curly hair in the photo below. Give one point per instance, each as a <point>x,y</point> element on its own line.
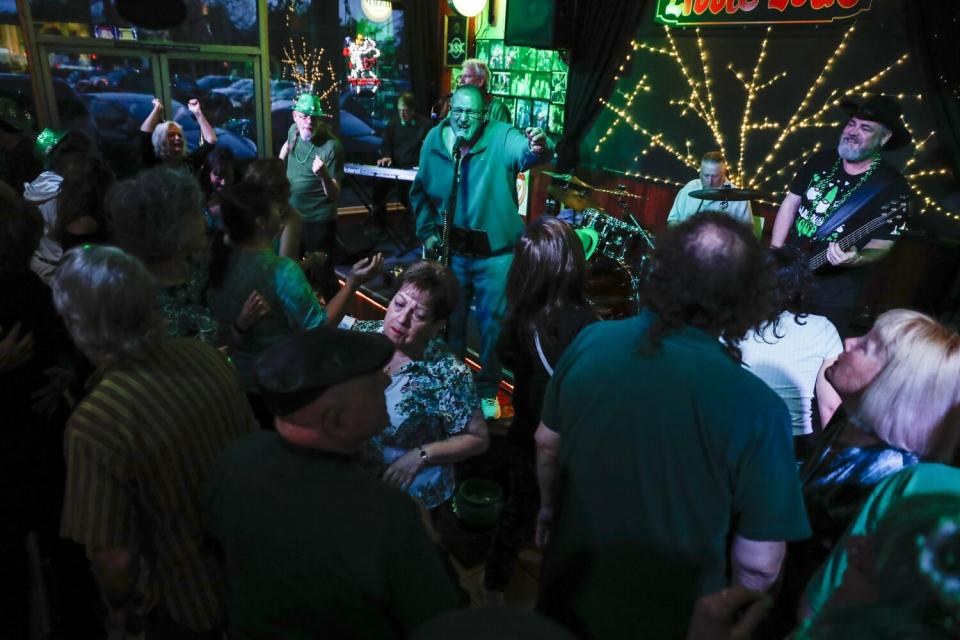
<point>656,447</point>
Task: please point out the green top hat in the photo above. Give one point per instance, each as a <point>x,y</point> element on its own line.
<point>309,105</point>
<point>46,141</point>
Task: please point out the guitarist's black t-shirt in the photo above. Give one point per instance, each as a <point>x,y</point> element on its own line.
<point>818,186</point>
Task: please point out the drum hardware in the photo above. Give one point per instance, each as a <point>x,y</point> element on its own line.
<point>551,205</point>
<point>728,193</point>
<point>645,235</point>
<point>615,272</point>
<point>570,179</point>
<point>612,288</point>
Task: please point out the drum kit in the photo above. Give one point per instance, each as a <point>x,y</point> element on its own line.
<point>617,263</point>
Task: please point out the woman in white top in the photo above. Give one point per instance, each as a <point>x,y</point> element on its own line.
<point>791,351</point>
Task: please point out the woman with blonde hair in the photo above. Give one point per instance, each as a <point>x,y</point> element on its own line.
<point>900,391</point>
<point>900,387</point>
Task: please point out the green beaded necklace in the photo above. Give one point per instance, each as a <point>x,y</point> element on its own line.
<point>306,157</point>
<point>821,184</point>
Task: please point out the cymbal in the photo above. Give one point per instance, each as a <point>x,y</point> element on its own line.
<point>572,198</point>
<point>620,193</point>
<point>727,193</point>
<point>567,177</point>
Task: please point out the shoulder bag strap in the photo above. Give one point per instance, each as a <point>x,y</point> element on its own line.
<point>543,357</point>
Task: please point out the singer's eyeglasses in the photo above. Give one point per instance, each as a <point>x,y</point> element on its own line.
<point>456,114</point>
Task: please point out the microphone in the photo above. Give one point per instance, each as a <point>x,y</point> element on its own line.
<point>458,145</point>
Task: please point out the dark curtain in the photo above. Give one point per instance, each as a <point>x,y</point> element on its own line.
<point>601,37</point>
<point>423,39</point>
<point>934,30</point>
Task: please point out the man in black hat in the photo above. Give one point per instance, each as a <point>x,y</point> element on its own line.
<point>314,548</point>
<point>835,194</point>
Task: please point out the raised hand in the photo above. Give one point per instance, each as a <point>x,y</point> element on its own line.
<point>365,270</point>
<point>537,139</point>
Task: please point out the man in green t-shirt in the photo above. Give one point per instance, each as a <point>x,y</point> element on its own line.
<point>656,447</point>
<point>314,158</point>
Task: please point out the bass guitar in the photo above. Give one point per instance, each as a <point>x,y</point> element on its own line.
<point>893,212</point>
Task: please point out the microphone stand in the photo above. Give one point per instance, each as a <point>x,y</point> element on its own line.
<point>451,204</point>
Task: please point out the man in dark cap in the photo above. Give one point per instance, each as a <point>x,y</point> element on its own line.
<point>839,191</point>
<point>314,548</point>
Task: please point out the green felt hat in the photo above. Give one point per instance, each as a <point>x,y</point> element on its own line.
<point>589,238</point>
<point>46,141</point>
<point>309,105</point>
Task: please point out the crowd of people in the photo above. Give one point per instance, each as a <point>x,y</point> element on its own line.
<point>201,443</point>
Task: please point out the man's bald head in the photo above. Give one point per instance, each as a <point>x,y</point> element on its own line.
<point>710,272</point>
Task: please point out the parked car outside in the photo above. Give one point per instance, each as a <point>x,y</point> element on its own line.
<point>211,82</point>
<point>240,92</point>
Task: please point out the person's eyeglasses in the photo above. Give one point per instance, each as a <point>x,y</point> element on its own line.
<point>459,113</point>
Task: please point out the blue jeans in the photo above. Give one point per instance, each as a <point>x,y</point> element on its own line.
<point>484,281</point>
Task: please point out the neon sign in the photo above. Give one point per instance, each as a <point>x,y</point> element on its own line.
<point>695,13</point>
<point>362,55</point>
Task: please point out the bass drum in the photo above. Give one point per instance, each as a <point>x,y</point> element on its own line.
<point>611,289</point>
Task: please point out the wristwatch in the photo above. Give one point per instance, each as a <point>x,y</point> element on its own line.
<point>424,456</point>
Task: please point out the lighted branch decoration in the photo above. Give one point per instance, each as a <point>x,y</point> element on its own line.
<point>810,113</point>
<point>307,66</point>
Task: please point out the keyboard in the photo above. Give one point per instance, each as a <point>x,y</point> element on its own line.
<point>373,171</point>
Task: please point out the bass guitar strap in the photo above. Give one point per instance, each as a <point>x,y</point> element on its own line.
<point>878,183</point>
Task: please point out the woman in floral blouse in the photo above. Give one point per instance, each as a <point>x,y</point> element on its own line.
<point>435,417</point>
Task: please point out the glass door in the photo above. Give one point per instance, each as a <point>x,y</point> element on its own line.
<point>106,94</point>
<point>109,92</point>
<point>228,95</point>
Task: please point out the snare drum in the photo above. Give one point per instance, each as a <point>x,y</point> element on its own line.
<point>611,289</point>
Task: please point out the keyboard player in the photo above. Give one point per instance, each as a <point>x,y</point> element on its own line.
<point>401,149</point>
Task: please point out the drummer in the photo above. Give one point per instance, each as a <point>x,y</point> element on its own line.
<point>713,175</point>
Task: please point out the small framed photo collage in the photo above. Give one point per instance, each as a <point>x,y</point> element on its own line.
<point>531,82</point>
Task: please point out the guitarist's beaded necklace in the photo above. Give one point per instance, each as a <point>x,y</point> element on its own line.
<point>821,186</point>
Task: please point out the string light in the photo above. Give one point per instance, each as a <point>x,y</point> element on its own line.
<point>811,112</point>
<point>928,172</point>
<point>751,89</point>
<point>307,66</point>
<point>656,139</point>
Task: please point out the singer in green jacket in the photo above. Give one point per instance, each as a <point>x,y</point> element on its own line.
<point>492,154</point>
